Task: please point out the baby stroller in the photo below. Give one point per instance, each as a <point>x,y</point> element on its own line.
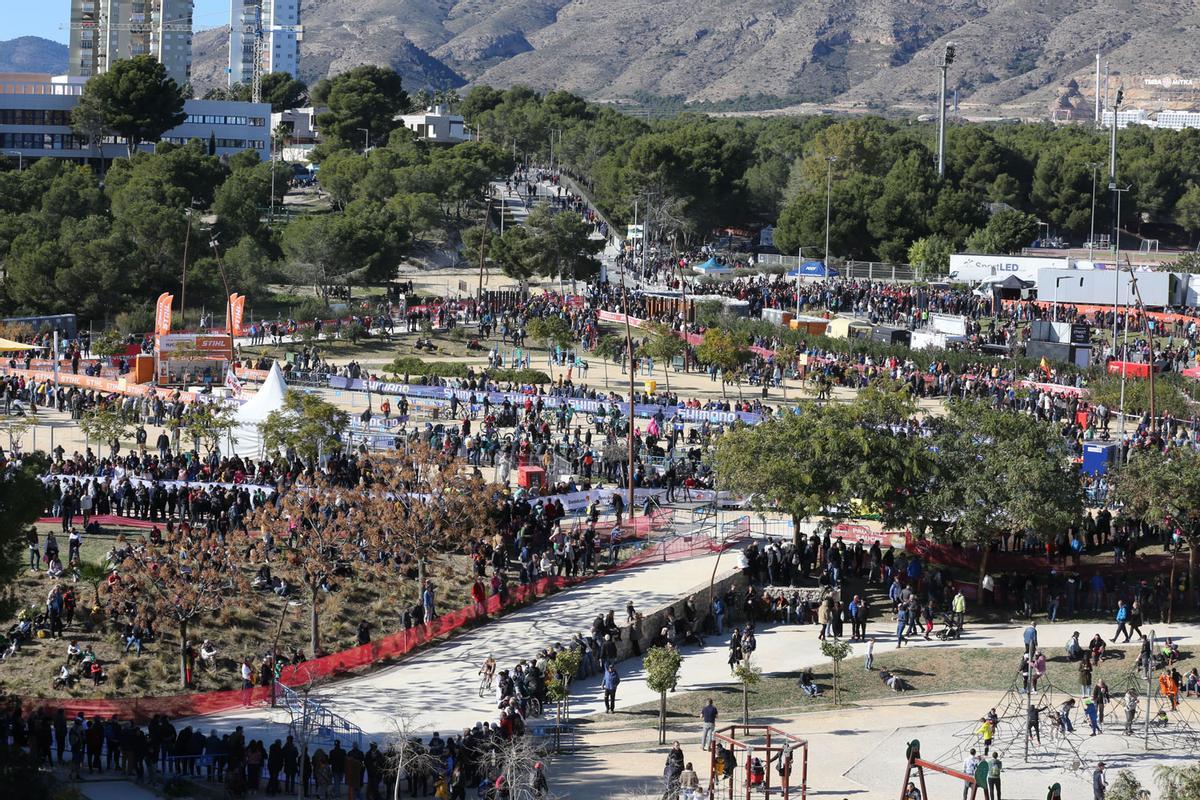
<point>950,628</point>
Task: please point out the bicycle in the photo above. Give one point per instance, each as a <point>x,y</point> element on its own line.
<point>485,685</point>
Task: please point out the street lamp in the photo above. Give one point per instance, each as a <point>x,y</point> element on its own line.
<point>366,132</point>
<point>20,158</point>
<point>1095,167</point>
<point>1117,261</point>
<point>828,204</point>
<point>1112,168</point>
<point>947,60</point>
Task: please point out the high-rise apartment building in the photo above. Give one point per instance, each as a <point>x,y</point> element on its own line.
<point>105,31</point>
<point>279,23</point>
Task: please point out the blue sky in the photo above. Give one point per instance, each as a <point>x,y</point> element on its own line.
<point>32,19</point>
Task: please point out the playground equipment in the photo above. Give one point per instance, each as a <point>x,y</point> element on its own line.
<point>758,758</point>
<point>919,765</point>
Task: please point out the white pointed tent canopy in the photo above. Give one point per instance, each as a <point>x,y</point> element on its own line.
<point>248,441</point>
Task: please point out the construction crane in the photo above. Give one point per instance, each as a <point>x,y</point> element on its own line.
<point>257,31</point>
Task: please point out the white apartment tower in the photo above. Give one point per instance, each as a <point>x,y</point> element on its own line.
<point>279,24</point>
<point>105,31</point>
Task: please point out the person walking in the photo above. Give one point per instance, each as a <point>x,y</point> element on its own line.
<point>969,765</point>
<point>610,682</point>
<point>994,766</point>
<point>1122,617</point>
<point>708,716</point>
<point>672,771</point>
<point>959,606</point>
<point>901,622</point>
<point>1093,714</point>
<point>1099,782</point>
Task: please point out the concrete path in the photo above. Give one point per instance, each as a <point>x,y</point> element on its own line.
<point>114,790</point>
<point>440,684</point>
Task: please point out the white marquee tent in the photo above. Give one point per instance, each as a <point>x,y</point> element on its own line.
<point>247,439</point>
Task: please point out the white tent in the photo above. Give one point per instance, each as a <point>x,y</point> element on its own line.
<point>248,441</point>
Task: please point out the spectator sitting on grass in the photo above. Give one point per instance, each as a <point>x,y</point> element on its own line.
<point>893,682</point>
<point>807,685</point>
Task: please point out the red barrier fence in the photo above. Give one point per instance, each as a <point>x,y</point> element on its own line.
<point>386,648</point>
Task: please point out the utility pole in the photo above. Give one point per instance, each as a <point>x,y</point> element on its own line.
<point>1112,172</point>
<point>1097,120</point>
<point>947,60</point>
<point>828,203</point>
<point>183,282</point>
<point>1117,263</point>
<point>1095,167</point>
<point>487,224</point>
<point>630,506</point>
<point>1149,342</point>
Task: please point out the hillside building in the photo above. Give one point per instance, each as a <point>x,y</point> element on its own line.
<point>436,124</point>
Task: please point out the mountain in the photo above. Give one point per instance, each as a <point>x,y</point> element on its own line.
<point>1013,56</point>
<point>33,54</point>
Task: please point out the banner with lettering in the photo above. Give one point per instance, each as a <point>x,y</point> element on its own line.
<point>162,313</point>
<point>237,308</point>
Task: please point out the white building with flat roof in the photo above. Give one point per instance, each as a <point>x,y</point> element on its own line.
<point>1177,120</point>
<point>35,121</point>
<point>1125,117</point>
<point>436,124</point>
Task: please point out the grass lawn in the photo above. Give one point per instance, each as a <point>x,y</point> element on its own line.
<point>928,670</point>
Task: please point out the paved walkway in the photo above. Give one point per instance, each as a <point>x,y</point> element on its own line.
<point>440,684</point>
<point>115,790</point>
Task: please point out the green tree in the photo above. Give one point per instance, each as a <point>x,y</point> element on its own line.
<point>978,491</point>
<point>366,97</point>
<point>1006,232</point>
<point>836,650</point>
<point>931,254</point>
<point>719,349</point>
<point>610,348</point>
<point>283,91</point>
<point>105,425</point>
<point>306,425</point>
<point>748,675</point>
<point>662,673</point>
<point>552,332</point>
<point>22,497</point>
<point>137,99</point>
<point>898,215</point>
<point>242,201</point>
<point>663,346</point>
<point>1169,398</point>
<point>564,242</point>
<point>89,119</point>
<point>850,454</point>
<point>1164,488</point>
<point>1187,210</point>
<point>1178,783</point>
<point>361,245</point>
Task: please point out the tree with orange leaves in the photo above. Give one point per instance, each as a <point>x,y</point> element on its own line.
<point>405,509</point>
<point>189,576</point>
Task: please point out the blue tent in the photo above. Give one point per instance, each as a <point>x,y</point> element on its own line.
<point>712,266</point>
<point>813,269</point>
